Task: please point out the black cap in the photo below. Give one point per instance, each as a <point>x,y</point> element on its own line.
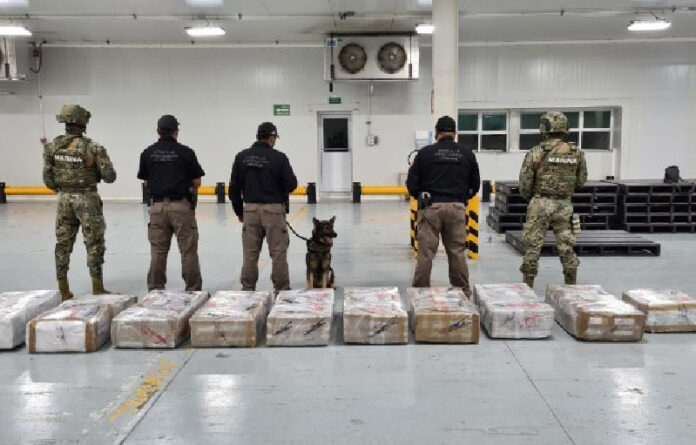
<point>446,125</point>
<point>168,122</point>
<point>267,129</point>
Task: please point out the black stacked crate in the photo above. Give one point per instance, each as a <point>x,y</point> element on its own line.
<point>652,206</point>
<point>596,203</point>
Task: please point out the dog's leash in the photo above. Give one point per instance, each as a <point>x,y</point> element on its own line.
<point>295,233</point>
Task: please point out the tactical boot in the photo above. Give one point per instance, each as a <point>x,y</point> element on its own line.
<point>98,287</point>
<point>571,278</point>
<point>529,280</point>
<point>64,288</point>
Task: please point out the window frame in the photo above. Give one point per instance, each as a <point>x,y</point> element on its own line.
<point>580,129</point>
<point>480,132</point>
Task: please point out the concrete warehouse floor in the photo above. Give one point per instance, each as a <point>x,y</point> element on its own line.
<point>537,392</point>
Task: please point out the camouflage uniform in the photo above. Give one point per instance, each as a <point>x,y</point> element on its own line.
<point>73,166</point>
<point>549,175</point>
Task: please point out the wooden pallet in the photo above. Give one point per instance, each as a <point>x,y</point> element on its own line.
<point>595,243</point>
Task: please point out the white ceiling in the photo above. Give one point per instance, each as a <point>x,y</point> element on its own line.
<point>292,21</point>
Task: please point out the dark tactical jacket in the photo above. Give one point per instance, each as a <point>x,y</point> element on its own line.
<point>260,175</point>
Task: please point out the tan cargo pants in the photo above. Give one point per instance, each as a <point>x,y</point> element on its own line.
<point>173,218</point>
<point>265,220</point>
<point>449,221</point>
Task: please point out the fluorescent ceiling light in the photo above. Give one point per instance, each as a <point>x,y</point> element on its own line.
<point>424,28</point>
<point>14,3</point>
<point>14,30</point>
<point>649,25</point>
<point>204,3</point>
<point>205,31</point>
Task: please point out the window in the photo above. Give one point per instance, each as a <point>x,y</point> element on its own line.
<point>483,130</point>
<point>589,129</point>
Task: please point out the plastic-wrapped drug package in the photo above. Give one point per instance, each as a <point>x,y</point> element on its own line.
<point>301,318</point>
<point>230,318</point>
<point>159,320</point>
<point>17,308</point>
<point>665,310</point>
<point>513,311</point>
<point>442,315</point>
<point>588,312</point>
<point>79,325</point>
<point>374,316</point>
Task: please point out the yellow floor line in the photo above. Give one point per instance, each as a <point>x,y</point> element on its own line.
<point>151,383</point>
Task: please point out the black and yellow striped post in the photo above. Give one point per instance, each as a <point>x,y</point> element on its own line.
<point>414,225</point>
<point>472,226</point>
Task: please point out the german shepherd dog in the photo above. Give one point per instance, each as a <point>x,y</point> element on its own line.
<point>320,275</point>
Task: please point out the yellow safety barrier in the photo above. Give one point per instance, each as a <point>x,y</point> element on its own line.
<point>472,226</point>
<point>414,223</point>
<point>384,190</point>
<point>473,210</point>
<point>299,191</point>
<point>28,191</point>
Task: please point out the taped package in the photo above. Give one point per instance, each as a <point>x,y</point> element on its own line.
<point>301,318</point>
<point>159,320</point>
<point>230,318</point>
<point>79,325</point>
<point>590,313</point>
<point>374,316</point>
<point>17,308</point>
<point>665,310</point>
<point>442,315</point>
<point>513,311</point>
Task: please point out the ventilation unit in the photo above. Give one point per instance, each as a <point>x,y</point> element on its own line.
<point>371,57</point>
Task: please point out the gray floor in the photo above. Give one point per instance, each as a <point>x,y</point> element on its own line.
<point>509,392</point>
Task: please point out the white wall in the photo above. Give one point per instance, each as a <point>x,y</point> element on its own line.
<point>220,96</point>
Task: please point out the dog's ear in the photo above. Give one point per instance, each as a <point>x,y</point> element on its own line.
<point>332,220</point>
<point>315,221</point>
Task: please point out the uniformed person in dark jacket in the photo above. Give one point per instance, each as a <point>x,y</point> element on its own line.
<point>173,175</point>
<point>443,177</point>
<point>261,182</point>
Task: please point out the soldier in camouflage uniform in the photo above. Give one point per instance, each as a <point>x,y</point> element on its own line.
<point>550,174</point>
<point>73,166</point>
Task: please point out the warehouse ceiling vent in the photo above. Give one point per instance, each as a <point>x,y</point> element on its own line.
<point>392,56</point>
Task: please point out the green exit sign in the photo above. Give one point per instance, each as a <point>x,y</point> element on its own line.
<point>334,100</point>
<point>281,110</point>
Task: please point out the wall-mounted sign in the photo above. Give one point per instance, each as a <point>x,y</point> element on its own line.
<point>281,110</point>
<point>334,100</point>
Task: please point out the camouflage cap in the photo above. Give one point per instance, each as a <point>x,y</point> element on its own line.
<point>73,114</point>
<point>553,122</point>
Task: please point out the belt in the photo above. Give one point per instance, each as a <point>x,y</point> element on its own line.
<point>553,197</point>
<point>77,189</point>
<point>168,199</point>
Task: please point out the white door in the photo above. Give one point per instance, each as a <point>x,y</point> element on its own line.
<point>335,154</point>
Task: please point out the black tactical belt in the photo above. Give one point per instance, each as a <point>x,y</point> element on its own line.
<point>168,199</point>
<point>77,189</point>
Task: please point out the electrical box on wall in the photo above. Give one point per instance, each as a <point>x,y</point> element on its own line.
<point>379,56</point>
<point>8,61</point>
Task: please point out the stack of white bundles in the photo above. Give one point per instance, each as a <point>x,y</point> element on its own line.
<point>17,308</point>
<point>442,315</point>
<point>666,310</point>
<point>230,318</point>
<point>513,311</point>
<point>159,320</point>
<point>79,325</point>
<point>590,313</point>
<point>374,315</point>
<point>301,318</point>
